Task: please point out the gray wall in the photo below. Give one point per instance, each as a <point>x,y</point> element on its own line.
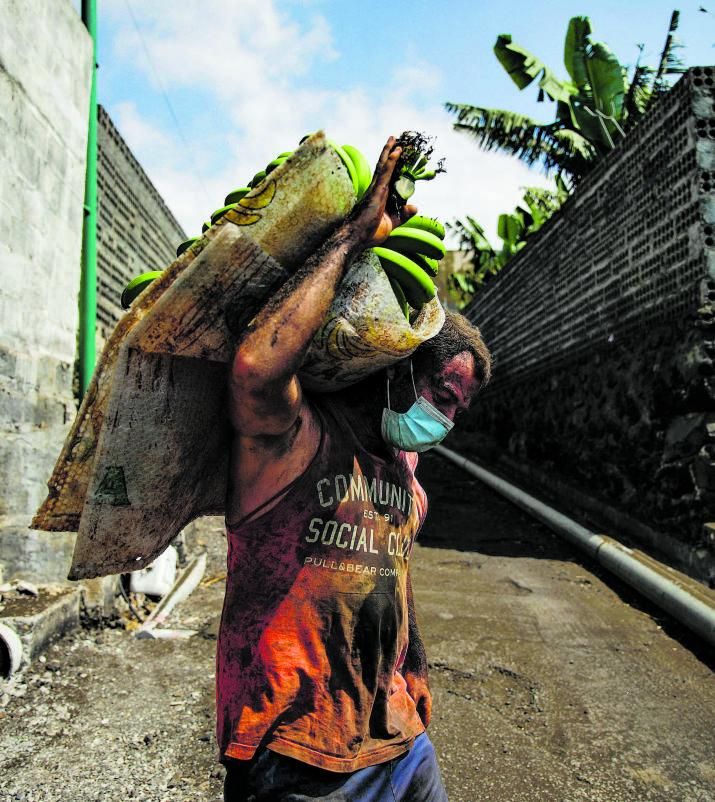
<point>136,232</point>
<point>45,74</point>
<point>603,333</point>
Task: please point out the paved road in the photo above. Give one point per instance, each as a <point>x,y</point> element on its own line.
<point>552,681</point>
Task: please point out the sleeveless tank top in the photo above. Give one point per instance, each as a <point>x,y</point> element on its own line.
<point>314,627</point>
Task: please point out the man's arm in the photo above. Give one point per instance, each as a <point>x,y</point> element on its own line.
<point>265,395</point>
<point>414,669</point>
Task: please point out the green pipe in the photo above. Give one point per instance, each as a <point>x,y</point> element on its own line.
<point>88,279</point>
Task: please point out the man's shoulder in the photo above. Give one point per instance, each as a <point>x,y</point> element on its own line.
<point>304,434</point>
<point>334,413</point>
<point>324,408</point>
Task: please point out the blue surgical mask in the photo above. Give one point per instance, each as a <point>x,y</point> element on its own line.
<point>419,429</point>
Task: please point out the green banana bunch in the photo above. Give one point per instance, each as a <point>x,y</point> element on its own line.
<point>219,213</point>
<point>411,254</point>
<point>236,194</point>
<point>137,285</point>
<point>410,257</point>
<point>405,184</point>
<point>362,170</point>
<point>348,162</point>
<point>417,286</point>
<point>400,295</point>
<point>430,224</point>
<point>416,240</point>
<point>355,163</point>
<point>231,200</point>
<point>257,178</point>
<point>186,245</point>
<point>412,165</point>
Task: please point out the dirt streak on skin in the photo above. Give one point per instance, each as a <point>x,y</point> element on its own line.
<point>287,290</point>
<point>280,445</point>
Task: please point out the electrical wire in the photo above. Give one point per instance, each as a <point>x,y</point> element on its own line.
<point>132,608</point>
<point>166,97</point>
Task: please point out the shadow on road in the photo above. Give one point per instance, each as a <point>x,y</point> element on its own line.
<point>466,515</point>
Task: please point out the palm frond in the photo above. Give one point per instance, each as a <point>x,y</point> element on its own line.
<point>670,62</point>
<point>639,93</point>
<point>523,137</point>
<point>570,152</point>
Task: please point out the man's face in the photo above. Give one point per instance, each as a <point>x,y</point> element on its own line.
<point>451,387</point>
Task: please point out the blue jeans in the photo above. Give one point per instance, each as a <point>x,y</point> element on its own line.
<point>270,777</point>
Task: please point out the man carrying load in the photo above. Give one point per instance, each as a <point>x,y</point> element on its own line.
<point>322,689</point>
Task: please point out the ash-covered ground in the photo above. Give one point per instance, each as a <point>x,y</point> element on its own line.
<point>552,681</point>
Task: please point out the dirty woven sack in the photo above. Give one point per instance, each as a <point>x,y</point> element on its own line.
<point>365,330</point>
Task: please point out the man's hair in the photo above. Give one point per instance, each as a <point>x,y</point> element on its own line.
<point>456,336</point>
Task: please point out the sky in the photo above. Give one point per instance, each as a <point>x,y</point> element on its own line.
<point>207,92</point>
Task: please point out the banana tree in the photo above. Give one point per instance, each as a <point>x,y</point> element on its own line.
<point>595,106</point>
<point>512,228</point>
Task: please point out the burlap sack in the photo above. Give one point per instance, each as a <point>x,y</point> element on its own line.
<point>365,330</point>
<point>149,449</point>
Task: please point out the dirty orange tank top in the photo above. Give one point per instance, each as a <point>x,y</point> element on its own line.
<point>314,628</point>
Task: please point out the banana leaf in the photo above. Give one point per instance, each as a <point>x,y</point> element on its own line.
<point>606,79</point>
<point>527,218</point>
<point>540,207</point>
<point>510,227</point>
<point>599,77</point>
<point>463,281</point>
<point>575,52</point>
<point>564,115</point>
<point>522,67</point>
<point>472,237</point>
<point>562,191</point>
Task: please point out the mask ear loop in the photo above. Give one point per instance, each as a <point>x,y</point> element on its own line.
<point>412,374</point>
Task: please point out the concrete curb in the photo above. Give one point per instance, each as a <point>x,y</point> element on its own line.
<point>40,620</point>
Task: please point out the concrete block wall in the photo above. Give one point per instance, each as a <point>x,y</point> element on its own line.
<point>136,231</point>
<point>45,74</point>
<point>603,334</point>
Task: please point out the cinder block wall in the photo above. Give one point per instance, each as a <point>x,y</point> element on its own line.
<point>45,74</point>
<point>136,231</point>
<point>603,333</point>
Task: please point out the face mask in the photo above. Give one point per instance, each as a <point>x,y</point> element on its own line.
<point>419,429</point>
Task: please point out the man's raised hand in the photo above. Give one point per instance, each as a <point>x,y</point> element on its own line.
<point>369,222</point>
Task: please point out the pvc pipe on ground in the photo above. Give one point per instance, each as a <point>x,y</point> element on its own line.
<point>692,606</point>
<point>10,651</point>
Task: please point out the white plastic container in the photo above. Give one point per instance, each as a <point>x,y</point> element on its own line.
<point>158,578</point>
